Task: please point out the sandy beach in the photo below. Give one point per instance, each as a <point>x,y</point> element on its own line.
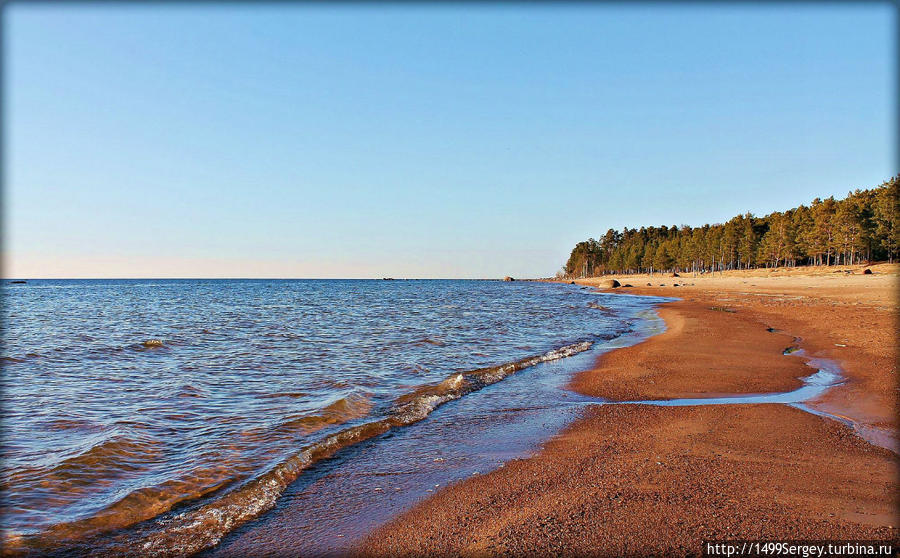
<point>637,479</point>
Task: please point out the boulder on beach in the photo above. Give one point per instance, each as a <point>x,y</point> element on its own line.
<point>867,271</point>
<point>508,278</point>
<point>608,284</point>
<point>675,275</point>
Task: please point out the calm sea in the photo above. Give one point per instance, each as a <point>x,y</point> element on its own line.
<point>176,410</point>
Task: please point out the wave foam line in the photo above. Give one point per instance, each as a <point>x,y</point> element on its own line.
<point>194,530</point>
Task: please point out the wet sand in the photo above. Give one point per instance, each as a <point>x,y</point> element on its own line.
<point>637,479</point>
<point>725,354</point>
<point>849,318</point>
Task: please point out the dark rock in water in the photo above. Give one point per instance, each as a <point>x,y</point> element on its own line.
<point>508,278</point>
<point>387,278</point>
<point>20,282</point>
<point>609,284</point>
<point>571,282</point>
<point>866,271</point>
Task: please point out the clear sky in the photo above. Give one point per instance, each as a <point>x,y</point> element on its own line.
<point>468,140</point>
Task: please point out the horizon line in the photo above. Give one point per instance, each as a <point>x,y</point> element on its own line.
<point>8,279</point>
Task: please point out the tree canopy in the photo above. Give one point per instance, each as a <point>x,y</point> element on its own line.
<point>864,226</point>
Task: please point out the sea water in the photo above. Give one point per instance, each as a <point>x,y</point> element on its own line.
<point>163,414</point>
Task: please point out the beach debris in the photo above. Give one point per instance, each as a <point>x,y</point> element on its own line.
<point>508,278</point>
<point>153,343</point>
<point>839,345</point>
<point>723,309</point>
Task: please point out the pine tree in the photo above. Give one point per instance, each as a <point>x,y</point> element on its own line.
<point>864,225</point>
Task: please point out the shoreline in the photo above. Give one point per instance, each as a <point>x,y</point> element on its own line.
<point>403,471</point>
<point>641,478</point>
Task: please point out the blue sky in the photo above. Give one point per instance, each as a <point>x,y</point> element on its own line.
<point>307,140</point>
